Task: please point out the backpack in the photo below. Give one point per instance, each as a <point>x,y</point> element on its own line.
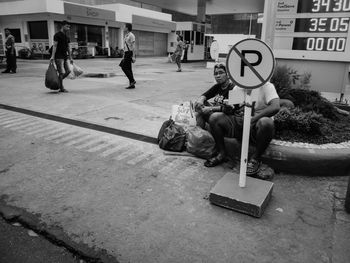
<point>171,136</point>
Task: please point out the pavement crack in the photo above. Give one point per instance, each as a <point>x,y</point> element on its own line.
<point>301,215</point>
<point>113,118</point>
<point>6,169</point>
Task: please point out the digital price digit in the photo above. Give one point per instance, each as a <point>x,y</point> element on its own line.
<point>335,24</point>
<point>330,6</point>
<point>323,6</point>
<point>325,44</point>
<point>323,24</point>
<point>320,43</point>
<point>341,6</point>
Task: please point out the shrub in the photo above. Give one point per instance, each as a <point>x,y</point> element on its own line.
<point>315,119</point>
<point>309,123</point>
<point>310,100</point>
<point>282,80</point>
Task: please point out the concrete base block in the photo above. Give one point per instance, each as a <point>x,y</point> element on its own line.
<point>251,200</point>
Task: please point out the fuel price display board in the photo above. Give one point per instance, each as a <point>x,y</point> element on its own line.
<point>313,29</point>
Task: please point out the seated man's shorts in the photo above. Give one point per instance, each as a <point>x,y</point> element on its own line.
<point>235,128</point>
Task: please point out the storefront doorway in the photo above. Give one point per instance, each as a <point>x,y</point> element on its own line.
<point>86,37</point>
<point>151,43</point>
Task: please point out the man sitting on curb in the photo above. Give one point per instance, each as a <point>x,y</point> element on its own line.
<point>229,123</point>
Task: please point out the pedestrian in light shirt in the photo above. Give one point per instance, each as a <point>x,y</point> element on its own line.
<point>129,55</point>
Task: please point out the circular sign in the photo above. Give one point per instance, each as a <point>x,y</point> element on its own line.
<point>250,63</point>
<point>214,50</point>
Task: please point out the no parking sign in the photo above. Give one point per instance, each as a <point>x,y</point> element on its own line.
<point>250,63</point>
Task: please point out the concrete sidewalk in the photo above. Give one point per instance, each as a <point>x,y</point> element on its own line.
<point>153,211</point>
<point>104,100</point>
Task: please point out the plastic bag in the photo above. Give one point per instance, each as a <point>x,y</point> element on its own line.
<point>184,114</point>
<point>200,142</point>
<point>51,78</point>
<point>77,70</point>
<point>71,74</point>
<point>171,137</point>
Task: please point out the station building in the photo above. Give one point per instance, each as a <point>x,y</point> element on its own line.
<point>98,24</point>
<point>98,28</point>
<point>304,35</point>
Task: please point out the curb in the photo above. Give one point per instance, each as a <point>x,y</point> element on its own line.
<point>302,158</point>
<point>52,233</point>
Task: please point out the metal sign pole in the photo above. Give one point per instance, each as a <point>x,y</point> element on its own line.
<point>245,139</point>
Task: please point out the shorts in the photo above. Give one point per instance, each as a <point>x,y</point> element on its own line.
<point>62,66</point>
<point>234,128</point>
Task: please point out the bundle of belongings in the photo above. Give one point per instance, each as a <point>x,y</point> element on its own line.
<point>180,133</point>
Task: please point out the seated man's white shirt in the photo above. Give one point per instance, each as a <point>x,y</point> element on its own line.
<point>262,95</point>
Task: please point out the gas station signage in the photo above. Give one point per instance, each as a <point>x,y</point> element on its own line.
<point>313,29</point>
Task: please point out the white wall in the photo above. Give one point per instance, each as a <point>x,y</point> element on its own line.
<point>225,41</point>
<point>183,26</point>
<point>124,13</point>
<point>197,53</point>
<point>31,6</point>
<point>213,6</point>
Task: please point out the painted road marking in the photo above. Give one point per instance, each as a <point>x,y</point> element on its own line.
<point>115,147</point>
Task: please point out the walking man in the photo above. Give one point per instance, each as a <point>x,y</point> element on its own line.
<point>10,53</point>
<point>129,55</point>
<point>61,52</point>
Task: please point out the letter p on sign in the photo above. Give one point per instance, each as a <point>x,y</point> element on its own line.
<point>250,63</point>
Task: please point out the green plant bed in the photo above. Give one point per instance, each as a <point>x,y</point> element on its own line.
<point>329,131</point>
<point>314,119</point>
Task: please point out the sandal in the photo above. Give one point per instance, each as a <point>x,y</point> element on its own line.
<point>218,159</point>
<point>253,167</point>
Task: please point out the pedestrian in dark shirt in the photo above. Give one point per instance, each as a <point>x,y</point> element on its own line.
<point>10,52</point>
<point>61,52</point>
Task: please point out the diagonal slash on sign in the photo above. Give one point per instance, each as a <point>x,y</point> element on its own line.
<point>248,64</point>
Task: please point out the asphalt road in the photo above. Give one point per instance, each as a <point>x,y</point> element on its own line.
<point>20,245</point>
<point>127,197</point>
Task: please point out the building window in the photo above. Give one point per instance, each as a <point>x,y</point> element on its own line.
<point>16,32</point>
<point>187,36</point>
<point>94,34</point>
<point>38,30</point>
<point>199,38</point>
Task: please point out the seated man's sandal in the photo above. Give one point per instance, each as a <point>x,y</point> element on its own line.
<point>253,167</point>
<point>214,161</point>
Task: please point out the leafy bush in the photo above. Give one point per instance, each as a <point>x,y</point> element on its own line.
<point>297,126</point>
<point>299,121</point>
<point>286,78</point>
<point>282,80</point>
<point>315,119</point>
<point>310,100</point>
